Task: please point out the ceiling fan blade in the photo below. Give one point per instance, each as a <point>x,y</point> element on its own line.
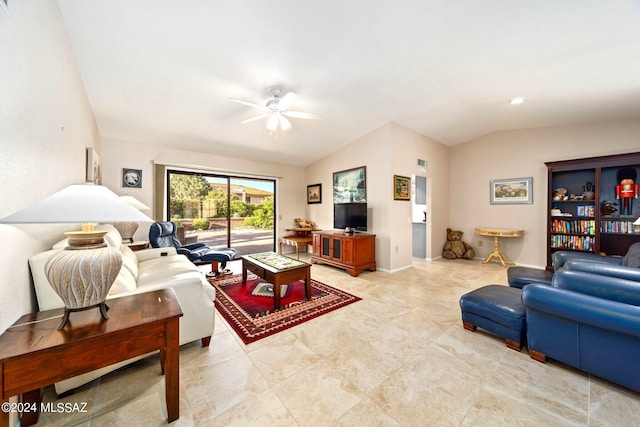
<point>301,115</point>
<point>272,124</point>
<point>250,104</point>
<point>261,116</point>
<point>284,123</point>
<point>287,101</point>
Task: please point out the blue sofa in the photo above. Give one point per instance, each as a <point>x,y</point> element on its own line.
<point>589,318</point>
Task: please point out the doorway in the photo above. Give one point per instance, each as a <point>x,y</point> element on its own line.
<point>419,217</point>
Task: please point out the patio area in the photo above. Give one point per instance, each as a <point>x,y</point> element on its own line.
<point>244,240</point>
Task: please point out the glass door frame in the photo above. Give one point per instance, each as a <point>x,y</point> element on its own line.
<point>228,177</point>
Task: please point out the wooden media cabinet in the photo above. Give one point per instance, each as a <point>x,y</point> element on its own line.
<point>353,252</point>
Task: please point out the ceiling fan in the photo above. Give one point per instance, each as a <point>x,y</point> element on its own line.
<point>276,110</point>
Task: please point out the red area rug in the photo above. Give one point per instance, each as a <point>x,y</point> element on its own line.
<point>249,308</point>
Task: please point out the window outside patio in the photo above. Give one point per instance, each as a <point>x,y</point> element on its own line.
<point>199,205</point>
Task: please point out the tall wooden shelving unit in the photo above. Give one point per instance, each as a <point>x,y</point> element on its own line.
<point>587,229</point>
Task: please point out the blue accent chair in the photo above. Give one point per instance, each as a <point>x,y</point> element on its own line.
<point>163,235</point>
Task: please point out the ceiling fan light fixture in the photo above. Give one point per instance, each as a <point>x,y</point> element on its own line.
<point>276,110</point>
<point>516,101</point>
<point>272,123</point>
<point>284,123</point>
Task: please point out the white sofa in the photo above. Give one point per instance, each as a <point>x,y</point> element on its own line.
<point>141,271</point>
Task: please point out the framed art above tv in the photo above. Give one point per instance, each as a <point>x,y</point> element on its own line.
<point>350,185</point>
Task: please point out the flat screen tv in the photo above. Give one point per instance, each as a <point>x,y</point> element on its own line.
<point>350,216</point>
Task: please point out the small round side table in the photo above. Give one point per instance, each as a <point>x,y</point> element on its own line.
<point>497,233</point>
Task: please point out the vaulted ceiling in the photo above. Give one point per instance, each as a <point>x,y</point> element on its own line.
<point>162,72</point>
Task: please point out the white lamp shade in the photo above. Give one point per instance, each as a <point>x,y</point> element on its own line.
<point>78,203</point>
<point>135,203</point>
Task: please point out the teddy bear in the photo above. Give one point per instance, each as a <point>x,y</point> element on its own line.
<point>455,247</point>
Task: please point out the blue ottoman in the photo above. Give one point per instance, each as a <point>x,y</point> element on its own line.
<point>517,277</point>
<point>215,256</point>
<point>497,309</point>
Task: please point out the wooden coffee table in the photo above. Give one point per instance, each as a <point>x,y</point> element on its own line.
<point>277,270</point>
<point>34,353</point>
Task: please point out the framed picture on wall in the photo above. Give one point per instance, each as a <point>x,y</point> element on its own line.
<point>401,187</point>
<point>131,178</point>
<point>314,193</point>
<point>511,191</point>
<point>94,173</point>
<point>350,185</point>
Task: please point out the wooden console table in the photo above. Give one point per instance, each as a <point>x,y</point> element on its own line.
<point>497,233</point>
<point>34,354</point>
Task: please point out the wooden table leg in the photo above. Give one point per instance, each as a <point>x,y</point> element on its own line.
<point>32,398</point>
<point>307,284</point>
<point>172,369</point>
<point>276,294</point>
<point>4,415</point>
<point>244,271</point>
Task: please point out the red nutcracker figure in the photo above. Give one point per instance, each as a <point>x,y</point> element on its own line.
<point>627,190</point>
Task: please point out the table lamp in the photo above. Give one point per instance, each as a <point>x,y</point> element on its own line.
<point>83,273</point>
<point>128,229</point>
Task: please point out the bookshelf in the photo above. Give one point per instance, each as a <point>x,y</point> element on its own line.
<point>575,218</point>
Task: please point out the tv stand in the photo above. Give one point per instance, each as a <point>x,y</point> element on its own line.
<point>353,252</point>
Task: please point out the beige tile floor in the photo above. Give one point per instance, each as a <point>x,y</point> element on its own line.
<point>399,357</point>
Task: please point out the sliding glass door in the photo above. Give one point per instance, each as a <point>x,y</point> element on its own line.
<point>223,210</point>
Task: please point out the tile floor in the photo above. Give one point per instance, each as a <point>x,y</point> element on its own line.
<point>399,357</point>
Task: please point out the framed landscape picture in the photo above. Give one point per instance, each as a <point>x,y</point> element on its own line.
<point>401,187</point>
<point>350,185</point>
<point>314,193</point>
<point>511,191</point>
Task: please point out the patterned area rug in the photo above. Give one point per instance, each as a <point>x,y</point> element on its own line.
<point>253,316</point>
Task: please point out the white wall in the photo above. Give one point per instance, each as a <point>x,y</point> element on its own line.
<point>522,153</point>
<point>117,155</point>
<point>407,148</point>
<point>45,126</point>
<point>388,150</point>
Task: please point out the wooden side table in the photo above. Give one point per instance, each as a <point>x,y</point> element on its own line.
<point>138,246</point>
<point>496,233</point>
<point>301,237</point>
<point>34,354</point>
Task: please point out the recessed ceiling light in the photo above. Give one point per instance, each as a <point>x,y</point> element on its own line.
<point>517,100</point>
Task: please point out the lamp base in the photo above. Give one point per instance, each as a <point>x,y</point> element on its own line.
<point>103,312</point>
<point>82,278</point>
<point>126,230</point>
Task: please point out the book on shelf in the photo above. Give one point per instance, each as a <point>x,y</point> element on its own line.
<point>574,226</point>
<point>576,243</point>
<point>617,226</point>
